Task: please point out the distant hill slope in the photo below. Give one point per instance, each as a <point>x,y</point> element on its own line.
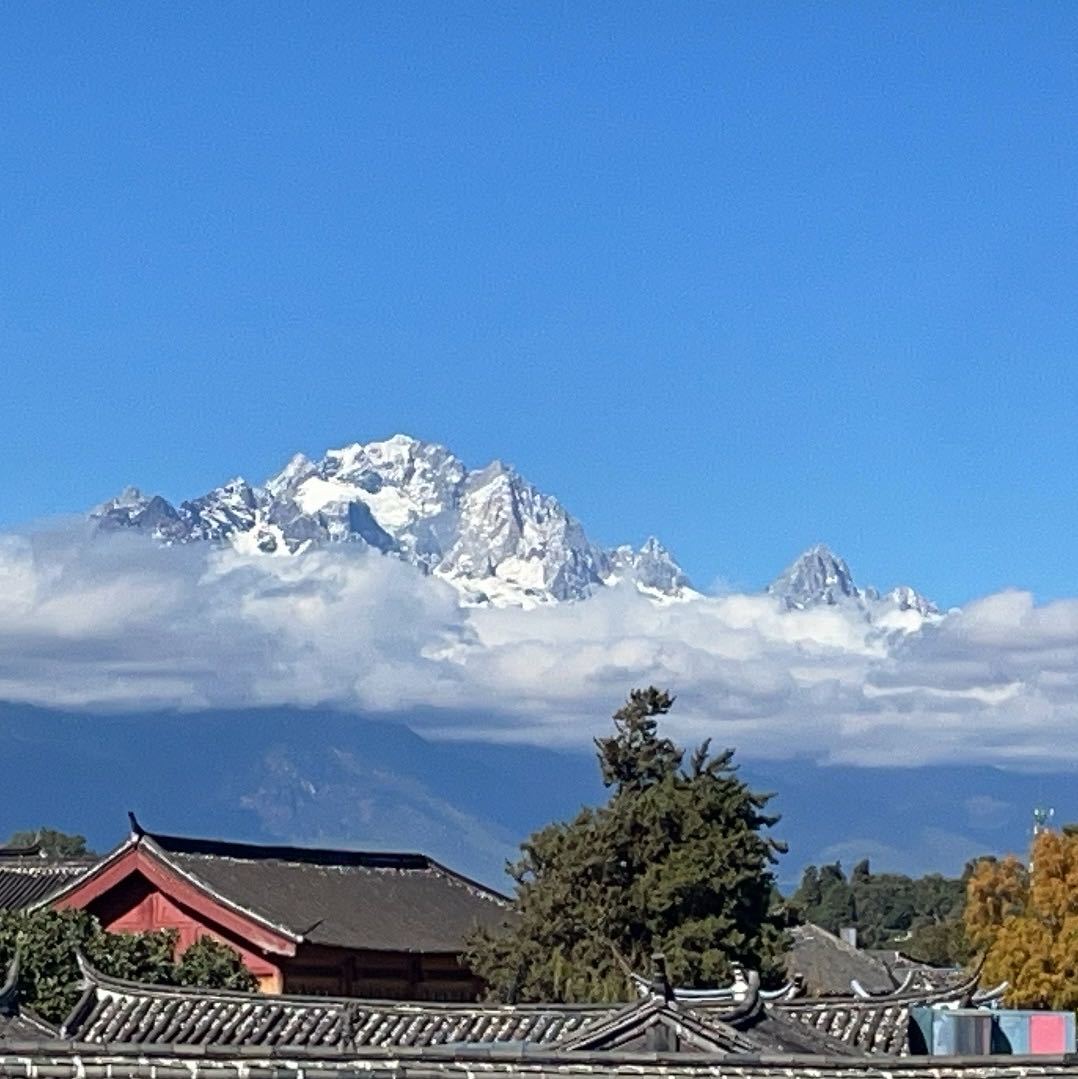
<point>321,776</point>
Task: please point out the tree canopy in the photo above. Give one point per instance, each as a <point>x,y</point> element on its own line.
<point>675,861</point>
<point>922,915</point>
<point>47,942</point>
<point>1025,921</point>
<point>54,842</point>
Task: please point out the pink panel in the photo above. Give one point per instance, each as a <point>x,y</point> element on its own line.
<point>1047,1034</point>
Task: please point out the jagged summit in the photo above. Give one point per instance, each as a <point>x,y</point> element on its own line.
<point>816,576</point>
<point>488,531</point>
<point>819,577</point>
<point>653,569</point>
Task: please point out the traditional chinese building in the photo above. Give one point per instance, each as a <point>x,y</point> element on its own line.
<point>322,922</point>
<point>120,1030</point>
<point>28,874</point>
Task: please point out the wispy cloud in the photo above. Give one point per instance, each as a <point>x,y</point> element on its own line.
<point>116,622</point>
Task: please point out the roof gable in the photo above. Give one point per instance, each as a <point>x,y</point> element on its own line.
<point>140,857</point>
<point>278,897</point>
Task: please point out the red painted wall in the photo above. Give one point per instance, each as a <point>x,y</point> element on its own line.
<point>135,906</point>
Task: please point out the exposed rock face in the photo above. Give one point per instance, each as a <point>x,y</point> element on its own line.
<point>488,532</point>
<point>819,577</point>
<point>816,576</point>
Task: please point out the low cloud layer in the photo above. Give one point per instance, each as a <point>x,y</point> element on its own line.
<point>117,622</point>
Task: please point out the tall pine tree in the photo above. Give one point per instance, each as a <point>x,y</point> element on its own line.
<point>675,861</point>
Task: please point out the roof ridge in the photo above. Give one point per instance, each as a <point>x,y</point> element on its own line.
<point>240,849</point>
<point>284,852</point>
<point>97,979</point>
<point>640,1014</point>
<point>27,850</point>
<point>471,882</point>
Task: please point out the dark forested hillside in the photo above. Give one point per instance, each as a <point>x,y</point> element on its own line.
<point>921,916</point>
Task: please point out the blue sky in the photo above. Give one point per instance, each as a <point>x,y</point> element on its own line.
<point>748,279</point>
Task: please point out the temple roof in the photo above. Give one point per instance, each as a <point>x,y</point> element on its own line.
<point>116,1011</point>
<point>877,1024</point>
<point>28,875</point>
<point>112,1011</point>
<point>827,964</point>
<point>353,899</point>
<point>20,851</point>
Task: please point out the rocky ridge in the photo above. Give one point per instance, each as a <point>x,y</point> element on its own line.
<point>819,577</point>
<point>489,532</point>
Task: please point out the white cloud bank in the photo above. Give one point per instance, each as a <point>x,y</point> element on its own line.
<point>116,622</point>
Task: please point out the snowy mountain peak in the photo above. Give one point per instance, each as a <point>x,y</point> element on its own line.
<point>295,472</point>
<point>909,599</point>
<point>129,497</point>
<point>819,577</point>
<point>652,568</point>
<point>814,577</point>
<point>488,532</point>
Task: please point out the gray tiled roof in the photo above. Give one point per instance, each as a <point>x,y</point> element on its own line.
<point>28,875</point>
<point>112,1010</point>
<point>827,964</point>
<point>118,1012</point>
<point>874,1025</point>
<point>414,905</point>
<point>22,885</point>
<point>383,1024</point>
<point>186,1017</point>
<point>382,901</point>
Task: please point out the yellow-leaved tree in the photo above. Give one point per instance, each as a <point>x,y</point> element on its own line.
<point>1024,921</point>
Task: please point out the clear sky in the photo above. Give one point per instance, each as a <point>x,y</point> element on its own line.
<point>745,276</point>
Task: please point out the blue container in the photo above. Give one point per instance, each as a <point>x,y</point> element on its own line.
<point>980,1032</point>
<point>962,1032</point>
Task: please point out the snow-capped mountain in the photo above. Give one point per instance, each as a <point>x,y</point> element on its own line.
<point>488,532</point>
<point>819,577</point>
<point>652,567</point>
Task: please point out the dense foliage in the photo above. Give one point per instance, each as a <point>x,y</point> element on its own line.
<point>47,942</point>
<point>1025,922</point>
<point>674,861</point>
<point>922,916</point>
<point>59,844</point>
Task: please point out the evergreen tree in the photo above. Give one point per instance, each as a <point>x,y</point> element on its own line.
<point>837,907</point>
<point>922,916</point>
<point>808,895</point>
<point>674,861</point>
<point>211,964</point>
<point>53,842</point>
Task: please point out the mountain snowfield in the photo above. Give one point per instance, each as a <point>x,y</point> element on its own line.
<point>488,532</point>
